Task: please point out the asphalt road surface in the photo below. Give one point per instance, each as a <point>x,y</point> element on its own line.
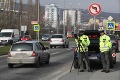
<point>58,69</point>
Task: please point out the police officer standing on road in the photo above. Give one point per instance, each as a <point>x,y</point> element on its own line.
<point>105,45</point>
<point>83,51</point>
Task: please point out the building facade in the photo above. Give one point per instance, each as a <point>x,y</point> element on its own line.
<point>74,16</point>
<point>52,15</point>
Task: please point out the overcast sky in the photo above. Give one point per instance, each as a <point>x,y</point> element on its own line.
<point>112,6</point>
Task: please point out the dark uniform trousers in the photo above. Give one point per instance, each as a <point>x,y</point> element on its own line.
<point>105,60</point>
<point>84,55</point>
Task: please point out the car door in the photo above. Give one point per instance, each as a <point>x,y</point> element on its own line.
<point>44,51</point>
<point>66,40</point>
<point>39,51</point>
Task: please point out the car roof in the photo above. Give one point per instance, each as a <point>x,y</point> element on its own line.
<point>58,34</point>
<point>27,41</point>
<point>46,34</point>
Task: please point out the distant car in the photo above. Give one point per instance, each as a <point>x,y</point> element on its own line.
<point>26,38</point>
<point>46,37</point>
<point>114,41</point>
<point>28,52</point>
<point>59,40</point>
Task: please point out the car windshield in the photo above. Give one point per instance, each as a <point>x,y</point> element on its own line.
<point>92,35</point>
<point>57,36</point>
<point>46,35</point>
<point>22,47</point>
<point>25,37</point>
<point>6,34</point>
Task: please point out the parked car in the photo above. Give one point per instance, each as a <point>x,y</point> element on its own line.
<point>93,49</point>
<point>59,40</point>
<point>28,52</point>
<point>26,38</point>
<point>114,41</point>
<point>46,37</point>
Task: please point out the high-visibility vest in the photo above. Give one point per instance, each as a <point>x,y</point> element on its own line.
<point>84,43</point>
<point>105,43</point>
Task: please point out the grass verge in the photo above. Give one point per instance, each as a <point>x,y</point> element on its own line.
<point>4,50</point>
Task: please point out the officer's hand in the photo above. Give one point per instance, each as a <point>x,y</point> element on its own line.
<point>83,44</point>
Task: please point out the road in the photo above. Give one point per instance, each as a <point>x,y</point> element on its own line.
<point>58,69</point>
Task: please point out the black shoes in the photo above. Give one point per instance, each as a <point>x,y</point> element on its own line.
<point>103,71</point>
<point>90,71</point>
<point>107,71</point>
<point>81,71</point>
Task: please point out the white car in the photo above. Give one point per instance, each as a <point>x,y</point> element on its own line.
<point>59,40</point>
<point>28,52</point>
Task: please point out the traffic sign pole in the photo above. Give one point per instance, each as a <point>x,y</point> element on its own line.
<point>94,9</point>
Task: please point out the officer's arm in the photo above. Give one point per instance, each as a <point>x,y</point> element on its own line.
<point>109,42</point>
<point>88,41</point>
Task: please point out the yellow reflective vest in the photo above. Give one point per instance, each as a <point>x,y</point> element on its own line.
<point>105,43</point>
<point>84,43</point>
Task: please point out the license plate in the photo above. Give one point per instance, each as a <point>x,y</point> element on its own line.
<point>92,57</point>
<point>21,55</point>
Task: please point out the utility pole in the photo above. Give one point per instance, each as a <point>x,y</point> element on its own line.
<point>64,19</point>
<point>38,16</point>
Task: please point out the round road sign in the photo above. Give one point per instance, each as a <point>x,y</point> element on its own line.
<point>94,9</point>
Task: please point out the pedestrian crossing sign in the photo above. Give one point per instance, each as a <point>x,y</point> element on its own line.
<point>110,25</point>
<point>36,27</point>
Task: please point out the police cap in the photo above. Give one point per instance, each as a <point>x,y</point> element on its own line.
<point>101,31</point>
<point>81,30</point>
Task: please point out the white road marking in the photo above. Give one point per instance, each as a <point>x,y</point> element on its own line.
<point>56,73</point>
<point>55,53</point>
<point>69,49</point>
<point>3,66</point>
<point>56,78</point>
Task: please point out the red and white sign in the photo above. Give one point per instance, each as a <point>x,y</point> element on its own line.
<point>118,27</point>
<point>34,22</point>
<point>94,9</point>
<point>113,54</point>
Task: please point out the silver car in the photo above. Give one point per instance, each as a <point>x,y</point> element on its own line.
<point>28,52</point>
<point>59,40</point>
<point>46,37</point>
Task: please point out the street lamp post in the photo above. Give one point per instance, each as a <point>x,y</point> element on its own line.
<point>64,19</point>
<point>38,15</point>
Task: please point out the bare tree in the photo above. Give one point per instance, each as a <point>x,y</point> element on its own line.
<point>20,14</point>
<point>29,13</point>
<point>68,21</point>
<point>11,15</point>
<point>36,10</point>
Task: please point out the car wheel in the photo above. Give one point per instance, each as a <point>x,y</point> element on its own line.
<point>54,46</point>
<point>50,46</point>
<point>10,65</point>
<point>37,64</point>
<point>48,60</point>
<point>67,46</point>
<point>63,46</point>
<point>75,64</point>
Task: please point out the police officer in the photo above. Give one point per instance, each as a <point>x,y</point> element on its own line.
<point>105,45</point>
<point>83,50</point>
